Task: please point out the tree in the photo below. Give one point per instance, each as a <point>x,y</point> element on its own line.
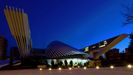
<point>71,63</point>
<point>60,63</point>
<point>113,56</point>
<point>129,51</point>
<point>130,48</point>
<point>128,14</point>
<point>52,63</point>
<point>66,63</point>
<point>46,62</point>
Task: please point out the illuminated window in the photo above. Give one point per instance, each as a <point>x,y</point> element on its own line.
<point>103,45</point>
<point>94,47</point>
<point>86,49</point>
<point>105,42</point>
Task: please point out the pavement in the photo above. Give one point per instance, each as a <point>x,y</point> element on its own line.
<point>4,63</point>
<point>77,71</point>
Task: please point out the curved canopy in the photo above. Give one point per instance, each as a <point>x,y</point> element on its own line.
<point>58,49</point>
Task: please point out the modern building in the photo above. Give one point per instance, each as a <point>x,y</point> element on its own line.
<point>3,47</point>
<point>61,52</point>
<point>57,52</point>
<point>100,48</point>
<point>57,49</point>
<point>17,21</point>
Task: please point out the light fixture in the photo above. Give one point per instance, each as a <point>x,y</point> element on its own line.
<point>129,66</point>
<point>85,68</point>
<point>97,67</point>
<point>70,68</point>
<point>59,68</point>
<point>111,66</point>
<point>50,69</point>
<point>40,69</point>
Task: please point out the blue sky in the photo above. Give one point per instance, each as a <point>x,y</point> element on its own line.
<point>78,23</point>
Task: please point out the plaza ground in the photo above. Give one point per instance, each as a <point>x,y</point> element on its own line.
<point>76,71</point>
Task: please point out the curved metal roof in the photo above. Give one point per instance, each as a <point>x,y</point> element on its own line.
<point>58,49</point>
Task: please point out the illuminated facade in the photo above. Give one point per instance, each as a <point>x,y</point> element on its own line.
<point>60,52</point>
<point>100,48</point>
<point>57,52</point>
<point>18,23</point>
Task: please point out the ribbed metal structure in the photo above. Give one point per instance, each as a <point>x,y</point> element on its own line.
<point>18,23</point>
<point>58,49</point>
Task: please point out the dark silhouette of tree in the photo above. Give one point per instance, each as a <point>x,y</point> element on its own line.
<point>104,61</point>
<point>79,64</point>
<point>129,51</point>
<point>128,14</point>
<point>113,57</point>
<point>130,48</point>
<point>46,62</point>
<point>71,63</point>
<point>66,63</point>
<point>85,64</point>
<point>52,63</point>
<point>60,64</point>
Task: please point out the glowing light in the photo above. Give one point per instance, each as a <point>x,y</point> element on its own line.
<point>129,66</point>
<point>40,69</point>
<point>78,66</point>
<point>111,66</point>
<point>97,67</point>
<point>50,69</point>
<point>59,68</point>
<point>105,42</point>
<point>70,68</point>
<point>94,47</point>
<point>86,49</point>
<point>85,68</point>
<point>102,46</point>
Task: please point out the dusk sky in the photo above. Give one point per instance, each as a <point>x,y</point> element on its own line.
<point>78,23</point>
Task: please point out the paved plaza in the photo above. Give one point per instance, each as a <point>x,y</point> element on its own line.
<point>78,71</point>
